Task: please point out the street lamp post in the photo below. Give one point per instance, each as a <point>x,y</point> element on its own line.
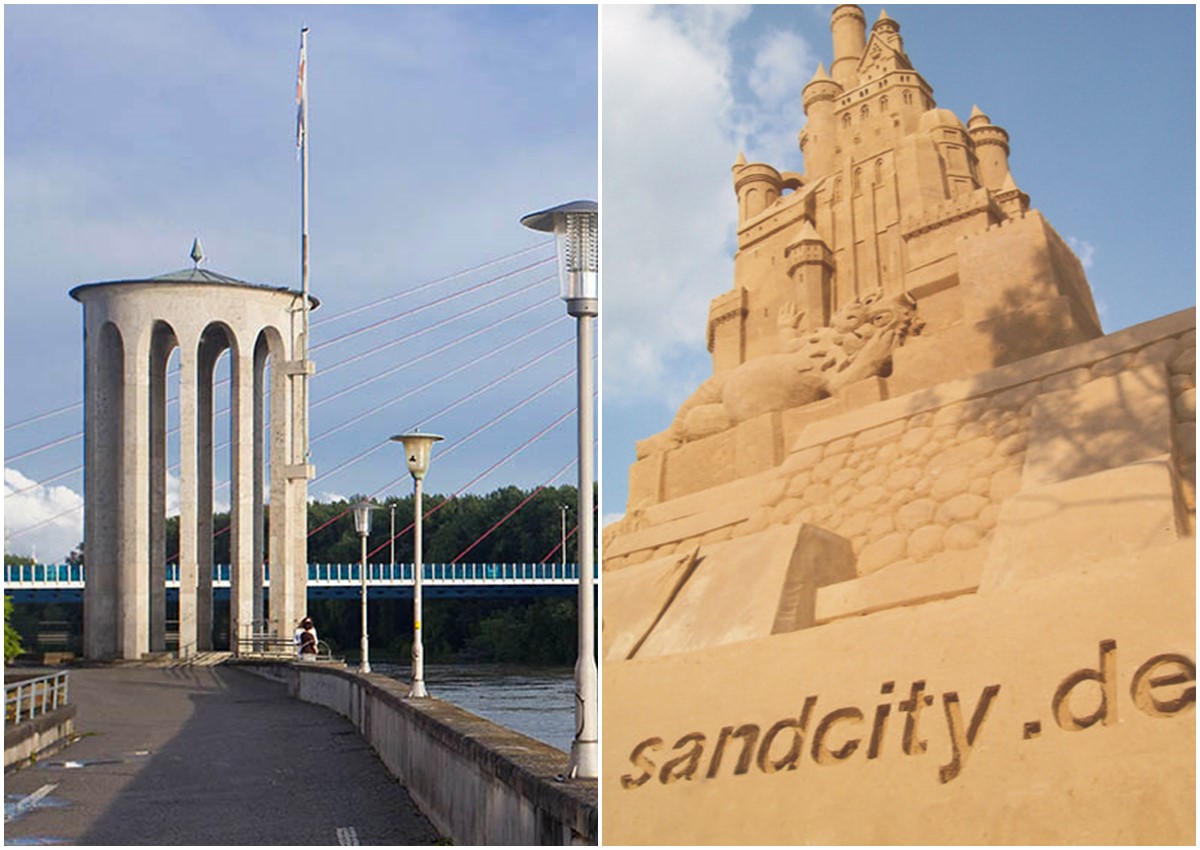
<point>563,508</point>
<point>575,226</point>
<point>362,524</point>
<point>416,455</point>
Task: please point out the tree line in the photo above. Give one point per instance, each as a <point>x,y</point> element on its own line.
<point>449,527</point>
<point>529,631</point>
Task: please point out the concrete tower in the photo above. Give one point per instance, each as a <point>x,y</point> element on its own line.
<point>131,329</point>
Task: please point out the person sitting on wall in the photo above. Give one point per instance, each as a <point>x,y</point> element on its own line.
<point>307,637</point>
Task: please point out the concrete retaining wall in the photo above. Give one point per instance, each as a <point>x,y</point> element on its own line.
<point>43,734</point>
<point>477,782</point>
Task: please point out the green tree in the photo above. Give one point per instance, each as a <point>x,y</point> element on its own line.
<point>12,640</point>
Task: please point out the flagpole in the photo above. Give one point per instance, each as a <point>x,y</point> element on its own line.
<point>303,94</point>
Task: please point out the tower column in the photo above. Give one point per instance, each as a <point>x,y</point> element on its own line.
<point>104,394</point>
<point>208,353</point>
<point>134,557</point>
<point>241,508</point>
<point>257,455</point>
<point>188,525</point>
<point>294,470</point>
<point>161,344</point>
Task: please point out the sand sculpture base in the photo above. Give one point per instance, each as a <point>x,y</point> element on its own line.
<point>923,617</point>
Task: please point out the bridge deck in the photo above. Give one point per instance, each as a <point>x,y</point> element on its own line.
<point>65,583</point>
<point>209,756</point>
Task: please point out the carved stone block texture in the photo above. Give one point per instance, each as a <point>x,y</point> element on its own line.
<point>1064,525</point>
<point>1108,422</point>
<point>751,587</point>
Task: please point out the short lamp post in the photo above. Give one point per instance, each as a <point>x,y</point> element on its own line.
<point>362,524</point>
<point>575,226</point>
<point>416,455</point>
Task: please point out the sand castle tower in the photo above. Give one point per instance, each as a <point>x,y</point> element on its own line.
<point>919,477</point>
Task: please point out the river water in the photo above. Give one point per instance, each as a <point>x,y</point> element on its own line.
<point>535,701</point>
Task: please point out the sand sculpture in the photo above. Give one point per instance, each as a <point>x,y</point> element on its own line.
<point>920,479</point>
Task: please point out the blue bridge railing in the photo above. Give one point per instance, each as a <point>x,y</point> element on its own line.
<point>65,582</point>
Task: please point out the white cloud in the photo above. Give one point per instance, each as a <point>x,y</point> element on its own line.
<point>57,513</point>
<point>669,206</point>
<point>1084,250</point>
<point>783,64</point>
<point>673,126</point>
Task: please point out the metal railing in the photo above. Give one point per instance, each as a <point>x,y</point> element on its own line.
<point>258,640</point>
<point>445,574</point>
<point>28,698</point>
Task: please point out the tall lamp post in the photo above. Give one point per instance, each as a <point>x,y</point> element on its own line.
<point>563,545</point>
<point>362,524</point>
<point>416,455</point>
<point>575,226</point>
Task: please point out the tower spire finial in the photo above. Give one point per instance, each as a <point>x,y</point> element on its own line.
<point>197,252</point>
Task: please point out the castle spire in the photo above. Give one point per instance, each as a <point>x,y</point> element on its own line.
<point>888,29</point>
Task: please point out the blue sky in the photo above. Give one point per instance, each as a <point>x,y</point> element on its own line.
<point>131,130</point>
<point>1099,103</point>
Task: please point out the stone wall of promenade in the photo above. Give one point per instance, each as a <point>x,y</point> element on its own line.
<point>477,782</point>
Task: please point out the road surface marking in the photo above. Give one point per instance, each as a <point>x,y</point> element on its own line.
<point>32,799</point>
<point>347,837</point>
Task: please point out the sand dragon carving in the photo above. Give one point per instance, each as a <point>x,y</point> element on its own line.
<point>812,364</point>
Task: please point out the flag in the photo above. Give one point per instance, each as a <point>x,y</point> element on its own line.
<point>301,93</point>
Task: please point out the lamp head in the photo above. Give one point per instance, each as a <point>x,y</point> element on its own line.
<point>575,226</point>
<point>416,451</point>
<point>362,518</point>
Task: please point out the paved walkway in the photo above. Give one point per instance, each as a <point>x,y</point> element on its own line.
<point>204,756</point>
